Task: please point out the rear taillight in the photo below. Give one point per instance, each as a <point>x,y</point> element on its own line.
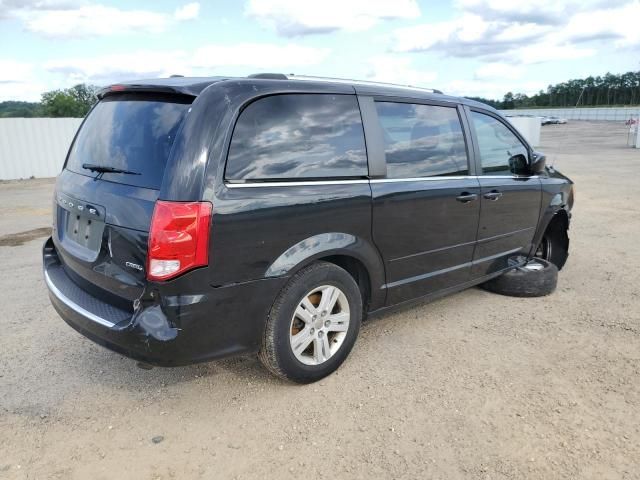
<point>178,238</point>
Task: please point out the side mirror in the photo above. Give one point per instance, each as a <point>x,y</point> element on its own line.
<point>518,164</point>
<point>538,162</point>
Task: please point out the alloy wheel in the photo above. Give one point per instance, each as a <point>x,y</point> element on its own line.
<point>319,325</point>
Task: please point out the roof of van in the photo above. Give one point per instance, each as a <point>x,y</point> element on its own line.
<point>193,86</point>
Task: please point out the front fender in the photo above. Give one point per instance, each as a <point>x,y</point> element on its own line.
<point>329,244</point>
<point>556,194</point>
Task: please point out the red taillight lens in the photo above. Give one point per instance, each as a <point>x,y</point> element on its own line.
<point>178,238</point>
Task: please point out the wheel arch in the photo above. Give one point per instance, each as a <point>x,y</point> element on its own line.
<point>355,255</point>
<point>555,211</point>
<point>560,216</point>
<point>555,233</point>
<point>358,270</point>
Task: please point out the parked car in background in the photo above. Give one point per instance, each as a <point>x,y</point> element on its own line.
<point>553,120</point>
<point>197,218</point>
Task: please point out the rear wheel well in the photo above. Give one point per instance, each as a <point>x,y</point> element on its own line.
<point>358,271</point>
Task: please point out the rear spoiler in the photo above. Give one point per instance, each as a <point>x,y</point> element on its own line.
<point>188,89</point>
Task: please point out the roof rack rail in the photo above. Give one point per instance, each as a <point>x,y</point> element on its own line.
<point>293,76</point>
<point>269,76</point>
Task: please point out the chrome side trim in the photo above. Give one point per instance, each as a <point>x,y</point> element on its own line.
<point>435,250</point>
<point>74,306</point>
<point>504,235</point>
<point>472,263</point>
<point>424,276</point>
<point>295,184</point>
<point>452,177</point>
<point>497,255</point>
<point>515,177</point>
<point>420,179</point>
<point>373,180</point>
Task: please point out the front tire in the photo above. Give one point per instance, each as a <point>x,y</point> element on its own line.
<point>313,324</point>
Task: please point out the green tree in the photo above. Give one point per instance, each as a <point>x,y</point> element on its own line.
<point>19,109</point>
<point>71,102</point>
<point>507,101</point>
<point>610,89</point>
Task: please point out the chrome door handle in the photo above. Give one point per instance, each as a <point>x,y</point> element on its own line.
<point>493,195</point>
<point>466,197</point>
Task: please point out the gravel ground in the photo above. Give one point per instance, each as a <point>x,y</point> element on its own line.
<point>473,386</point>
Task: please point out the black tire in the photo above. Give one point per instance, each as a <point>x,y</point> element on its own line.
<point>525,281</point>
<point>276,352</point>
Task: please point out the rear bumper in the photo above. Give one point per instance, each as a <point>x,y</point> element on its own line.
<point>167,328</point>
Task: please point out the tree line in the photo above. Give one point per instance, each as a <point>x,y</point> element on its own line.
<point>607,90</point>
<point>610,89</point>
<point>70,102</point>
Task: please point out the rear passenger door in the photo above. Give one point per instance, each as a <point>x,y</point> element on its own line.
<point>295,185</point>
<point>426,207</point>
<point>511,197</point>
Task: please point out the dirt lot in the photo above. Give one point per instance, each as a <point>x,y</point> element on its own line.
<point>473,386</point>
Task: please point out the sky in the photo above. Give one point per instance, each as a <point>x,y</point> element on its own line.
<point>464,47</point>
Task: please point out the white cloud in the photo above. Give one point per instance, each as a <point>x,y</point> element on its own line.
<point>545,12</point>
<point>490,71</point>
<point>549,51</point>
<point>257,55</point>
<point>68,19</point>
<point>296,17</point>
<point>526,32</point>
<point>465,29</point>
<point>618,24</point>
<point>469,35</point>
<point>105,69</point>
<point>8,8</point>
<point>396,69</point>
<point>94,20</point>
<point>188,11</point>
<point>18,81</point>
<point>14,71</point>
<point>22,91</point>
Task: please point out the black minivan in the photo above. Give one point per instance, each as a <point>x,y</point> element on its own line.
<point>197,218</point>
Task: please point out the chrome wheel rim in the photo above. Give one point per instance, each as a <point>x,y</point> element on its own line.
<point>319,325</point>
<point>544,249</point>
<point>533,265</point>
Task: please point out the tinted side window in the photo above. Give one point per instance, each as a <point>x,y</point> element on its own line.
<point>422,140</point>
<point>298,136</point>
<point>497,146</point>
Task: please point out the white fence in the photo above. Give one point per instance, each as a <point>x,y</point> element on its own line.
<point>619,114</point>
<point>34,147</point>
<point>528,127</point>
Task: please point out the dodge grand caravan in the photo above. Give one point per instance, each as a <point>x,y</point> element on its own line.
<point>197,218</point>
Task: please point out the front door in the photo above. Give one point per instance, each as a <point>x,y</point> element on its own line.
<point>426,210</point>
<point>510,197</point>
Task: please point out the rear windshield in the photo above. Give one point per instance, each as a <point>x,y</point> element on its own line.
<point>130,132</point>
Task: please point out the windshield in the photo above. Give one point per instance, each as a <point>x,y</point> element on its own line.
<point>129,132</point>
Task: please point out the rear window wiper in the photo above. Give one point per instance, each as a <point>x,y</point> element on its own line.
<point>105,169</point>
